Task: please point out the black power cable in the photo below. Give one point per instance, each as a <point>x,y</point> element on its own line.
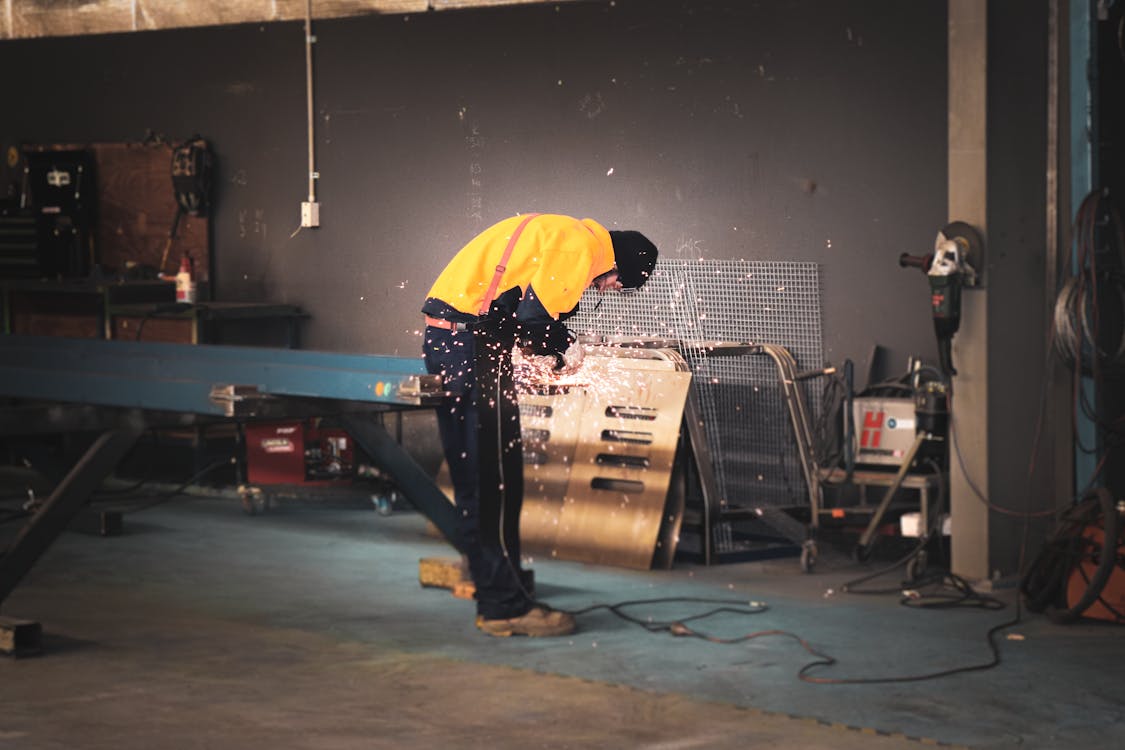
<point>159,499</point>
<point>678,626</point>
<point>1045,583</point>
<point>828,661</point>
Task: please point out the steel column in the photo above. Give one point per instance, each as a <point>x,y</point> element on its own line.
<point>415,484</point>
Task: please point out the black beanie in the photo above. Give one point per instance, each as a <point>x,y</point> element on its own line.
<point>636,257</point>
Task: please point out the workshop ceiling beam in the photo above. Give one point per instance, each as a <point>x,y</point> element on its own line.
<point>21,19</point>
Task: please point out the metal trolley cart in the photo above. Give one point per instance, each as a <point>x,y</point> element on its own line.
<point>924,420</point>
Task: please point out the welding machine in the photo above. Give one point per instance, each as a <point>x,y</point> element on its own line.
<point>310,460</point>
<point>298,452</point>
<point>884,429</point>
<point>902,433</point>
<point>891,430</point>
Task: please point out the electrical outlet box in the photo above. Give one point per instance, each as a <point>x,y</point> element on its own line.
<point>310,214</point>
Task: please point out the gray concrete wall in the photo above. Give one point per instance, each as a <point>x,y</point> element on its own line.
<point>802,130</point>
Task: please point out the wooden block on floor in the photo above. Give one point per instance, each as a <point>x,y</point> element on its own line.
<point>20,637</point>
<point>442,572</point>
<point>464,590</point>
<point>453,573</point>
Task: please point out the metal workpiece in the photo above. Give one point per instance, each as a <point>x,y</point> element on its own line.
<point>551,425</point>
<point>202,379</point>
<point>599,459</point>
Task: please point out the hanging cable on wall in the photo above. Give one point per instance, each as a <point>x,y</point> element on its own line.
<point>1099,281</point>
<point>1089,318</point>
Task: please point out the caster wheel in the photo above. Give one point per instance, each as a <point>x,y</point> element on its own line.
<point>384,504</point>
<point>254,501</point>
<point>916,567</point>
<point>808,557</point>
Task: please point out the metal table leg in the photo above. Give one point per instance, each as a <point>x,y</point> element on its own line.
<point>865,541</point>
<point>64,503</point>
<point>416,485</point>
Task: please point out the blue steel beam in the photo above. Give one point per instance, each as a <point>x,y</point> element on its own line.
<point>156,377</point>
<point>181,378</point>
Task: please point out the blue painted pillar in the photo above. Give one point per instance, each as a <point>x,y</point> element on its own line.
<point>1083,178</point>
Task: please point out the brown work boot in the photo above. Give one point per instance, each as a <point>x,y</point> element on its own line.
<point>538,621</point>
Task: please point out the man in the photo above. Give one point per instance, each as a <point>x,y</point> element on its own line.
<point>512,285</point>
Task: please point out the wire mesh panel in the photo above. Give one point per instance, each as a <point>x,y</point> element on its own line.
<point>754,457</point>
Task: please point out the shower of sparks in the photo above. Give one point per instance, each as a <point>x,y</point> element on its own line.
<point>604,377</point>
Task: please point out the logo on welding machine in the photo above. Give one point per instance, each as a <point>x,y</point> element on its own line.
<point>872,433</point>
<point>278,445</point>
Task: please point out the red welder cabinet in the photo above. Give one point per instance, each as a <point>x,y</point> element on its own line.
<point>309,460</point>
<point>298,453</point>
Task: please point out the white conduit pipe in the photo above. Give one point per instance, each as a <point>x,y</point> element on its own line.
<point>309,39</point>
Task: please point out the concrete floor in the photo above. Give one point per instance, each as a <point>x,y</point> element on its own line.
<point>202,627</point>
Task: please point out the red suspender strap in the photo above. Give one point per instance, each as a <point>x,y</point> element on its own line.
<point>492,288</point>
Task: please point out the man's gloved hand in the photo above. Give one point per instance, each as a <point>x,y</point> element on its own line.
<point>571,359</point>
<point>536,367</point>
<point>550,366</point>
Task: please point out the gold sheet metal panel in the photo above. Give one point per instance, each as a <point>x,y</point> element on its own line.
<point>550,428</point>
<point>620,427</point>
<point>616,497</point>
<point>599,457</point>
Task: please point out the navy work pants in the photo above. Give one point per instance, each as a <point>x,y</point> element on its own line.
<point>480,435</point>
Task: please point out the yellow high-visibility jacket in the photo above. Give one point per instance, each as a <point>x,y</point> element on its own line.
<point>556,256</point>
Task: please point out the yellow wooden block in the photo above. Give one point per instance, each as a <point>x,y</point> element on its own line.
<point>464,590</point>
<point>442,572</point>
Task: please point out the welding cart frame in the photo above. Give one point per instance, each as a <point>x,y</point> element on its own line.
<point>816,478</point>
<point>712,507</point>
